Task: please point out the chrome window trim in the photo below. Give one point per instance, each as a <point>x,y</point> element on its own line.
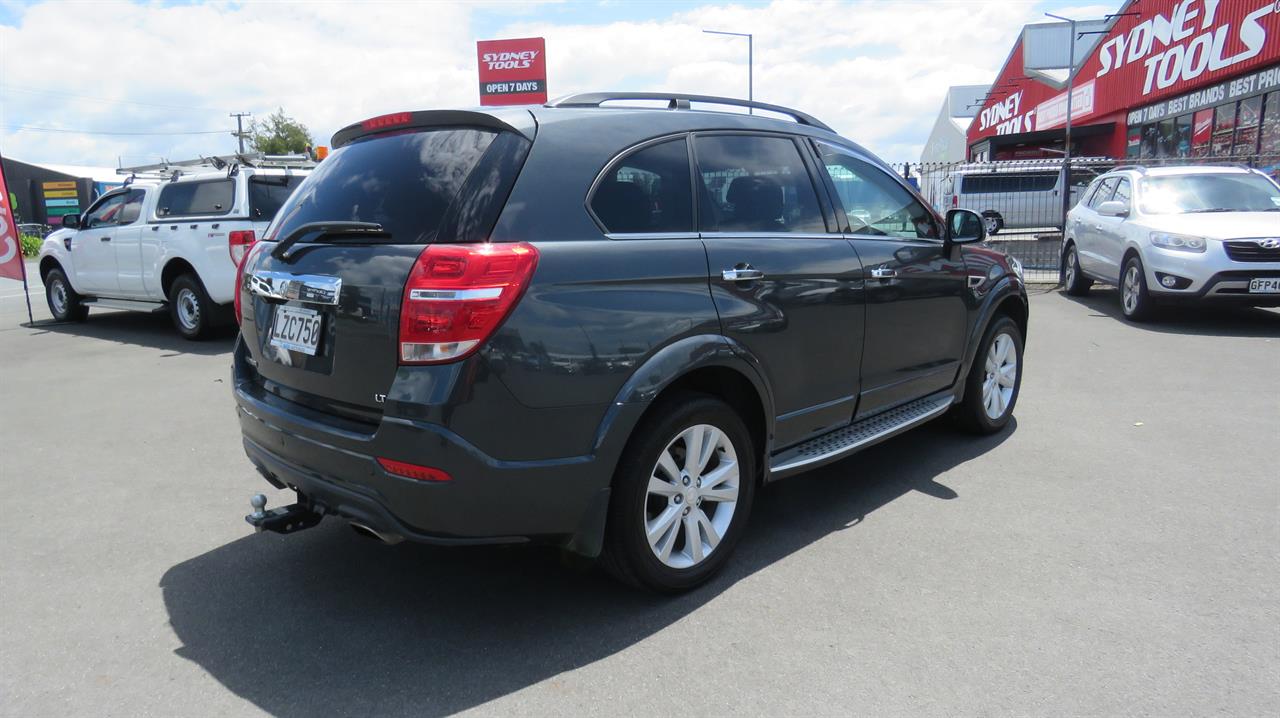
<point>651,235</point>
<point>769,235</point>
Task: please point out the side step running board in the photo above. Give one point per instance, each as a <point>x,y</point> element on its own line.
<point>127,304</point>
<point>837,444</point>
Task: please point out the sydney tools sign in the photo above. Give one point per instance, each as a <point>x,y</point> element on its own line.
<point>512,72</point>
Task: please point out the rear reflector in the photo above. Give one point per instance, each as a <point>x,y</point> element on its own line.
<point>457,295</point>
<point>238,244</point>
<point>413,471</point>
<point>384,121</point>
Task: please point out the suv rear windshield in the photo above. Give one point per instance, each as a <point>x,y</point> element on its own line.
<point>404,182</point>
<point>267,193</point>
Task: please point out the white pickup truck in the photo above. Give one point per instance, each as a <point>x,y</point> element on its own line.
<point>157,244</point>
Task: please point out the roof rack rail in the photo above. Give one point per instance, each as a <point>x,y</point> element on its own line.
<point>166,168</point>
<point>678,101</point>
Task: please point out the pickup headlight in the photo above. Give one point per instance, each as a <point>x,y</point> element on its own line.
<point>1180,242</point>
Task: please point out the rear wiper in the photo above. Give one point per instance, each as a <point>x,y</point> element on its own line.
<point>321,229</point>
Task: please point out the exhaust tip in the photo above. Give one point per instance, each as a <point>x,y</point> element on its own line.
<point>386,538</point>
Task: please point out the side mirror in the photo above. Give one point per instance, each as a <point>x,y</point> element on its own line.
<point>71,221</point>
<point>1114,208</point>
<point>964,226</point>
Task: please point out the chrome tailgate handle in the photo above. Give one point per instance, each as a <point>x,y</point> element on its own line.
<point>741,275</point>
<point>305,288</point>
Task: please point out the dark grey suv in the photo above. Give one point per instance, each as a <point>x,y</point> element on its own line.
<point>603,328</point>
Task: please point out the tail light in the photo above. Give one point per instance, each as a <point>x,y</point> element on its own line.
<point>239,287</point>
<point>238,244</point>
<point>955,201</point>
<point>457,295</point>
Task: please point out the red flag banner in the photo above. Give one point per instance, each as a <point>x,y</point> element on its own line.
<point>10,248</point>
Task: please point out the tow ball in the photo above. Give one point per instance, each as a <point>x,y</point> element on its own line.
<point>284,520</point>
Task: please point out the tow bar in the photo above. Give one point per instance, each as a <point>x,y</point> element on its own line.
<point>285,520</point>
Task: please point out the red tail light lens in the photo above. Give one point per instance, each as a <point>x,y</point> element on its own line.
<point>413,471</point>
<point>238,244</point>
<point>457,295</point>
<point>244,260</point>
<point>955,200</point>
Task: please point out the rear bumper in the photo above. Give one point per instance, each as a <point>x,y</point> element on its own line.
<point>487,501</point>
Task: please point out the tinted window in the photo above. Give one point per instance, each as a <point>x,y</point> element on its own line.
<point>1122,192</point>
<point>187,199</point>
<point>1104,192</point>
<point>403,182</point>
<point>132,206</point>
<point>106,213</point>
<point>755,184</point>
<point>267,193</point>
<point>1008,182</point>
<point>873,201</point>
<point>647,191</point>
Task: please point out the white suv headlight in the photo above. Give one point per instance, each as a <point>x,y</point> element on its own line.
<point>1180,242</point>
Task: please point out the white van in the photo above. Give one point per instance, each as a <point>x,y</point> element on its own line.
<point>1018,194</point>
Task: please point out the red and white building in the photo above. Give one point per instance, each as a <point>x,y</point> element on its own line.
<point>1160,79</point>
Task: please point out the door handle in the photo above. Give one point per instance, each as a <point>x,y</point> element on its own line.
<point>1097,227</point>
<point>104,239</point>
<point>883,273</point>
<point>744,274</point>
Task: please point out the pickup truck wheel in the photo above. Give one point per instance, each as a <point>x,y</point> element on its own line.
<point>1073,280</point>
<point>64,304</point>
<point>991,389</point>
<point>681,495</point>
<point>190,307</point>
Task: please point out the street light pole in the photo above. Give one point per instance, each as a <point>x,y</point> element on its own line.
<point>1066,157</point>
<point>750,62</point>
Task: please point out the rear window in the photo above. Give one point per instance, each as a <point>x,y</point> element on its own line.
<point>189,199</point>
<point>1008,182</point>
<point>404,182</point>
<point>267,193</point>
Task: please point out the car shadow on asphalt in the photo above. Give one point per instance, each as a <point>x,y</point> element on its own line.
<point>147,330</point>
<point>326,622</point>
<point>1190,319</point>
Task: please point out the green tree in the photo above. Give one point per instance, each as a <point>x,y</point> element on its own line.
<point>280,135</point>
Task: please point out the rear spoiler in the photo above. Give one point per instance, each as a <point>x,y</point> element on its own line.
<point>515,120</point>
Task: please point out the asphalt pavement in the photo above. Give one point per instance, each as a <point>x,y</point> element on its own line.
<point>1115,552</point>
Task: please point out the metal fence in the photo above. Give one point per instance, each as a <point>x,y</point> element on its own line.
<point>1024,202</point>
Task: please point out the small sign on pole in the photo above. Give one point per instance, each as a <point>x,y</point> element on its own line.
<point>512,72</point>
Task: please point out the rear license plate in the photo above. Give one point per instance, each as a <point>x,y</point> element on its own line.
<point>296,329</point>
<point>1264,286</point>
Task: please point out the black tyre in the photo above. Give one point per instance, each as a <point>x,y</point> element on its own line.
<point>681,495</point>
<point>1135,300</point>
<point>992,222</point>
<point>994,381</point>
<point>1073,280</point>
<point>64,303</point>
<point>190,308</point>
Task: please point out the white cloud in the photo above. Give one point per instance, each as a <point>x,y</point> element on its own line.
<point>876,71</point>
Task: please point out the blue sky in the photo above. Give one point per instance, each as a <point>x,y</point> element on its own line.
<point>876,71</point>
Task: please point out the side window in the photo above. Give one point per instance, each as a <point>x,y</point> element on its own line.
<point>186,199</point>
<point>268,192</point>
<point>873,201</point>
<point>1104,192</point>
<point>755,184</point>
<point>132,208</point>
<point>106,213</point>
<point>647,191</point>
<point>1122,192</point>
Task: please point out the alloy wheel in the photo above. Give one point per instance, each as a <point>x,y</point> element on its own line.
<point>1002,376</point>
<point>1130,289</point>
<point>1071,266</point>
<point>692,495</point>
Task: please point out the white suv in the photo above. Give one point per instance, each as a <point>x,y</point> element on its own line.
<point>1200,233</point>
<point>156,245</point>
